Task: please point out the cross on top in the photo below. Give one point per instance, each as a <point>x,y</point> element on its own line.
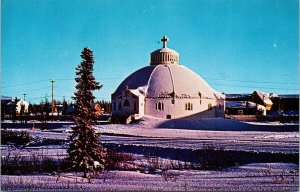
<point>164,40</point>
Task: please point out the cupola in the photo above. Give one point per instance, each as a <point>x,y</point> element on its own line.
<point>164,55</point>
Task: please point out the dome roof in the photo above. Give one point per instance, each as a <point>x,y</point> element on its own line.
<point>163,81</point>
<point>165,78</point>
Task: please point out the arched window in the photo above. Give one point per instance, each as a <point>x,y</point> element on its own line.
<point>159,106</point>
<point>189,106</point>
<point>209,106</point>
<point>126,103</point>
<point>120,106</point>
<point>220,107</point>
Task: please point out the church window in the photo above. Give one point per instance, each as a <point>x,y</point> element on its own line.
<point>219,107</point>
<point>134,106</point>
<point>115,106</point>
<point>159,106</point>
<point>120,106</point>
<point>209,106</point>
<point>126,103</point>
<point>189,106</point>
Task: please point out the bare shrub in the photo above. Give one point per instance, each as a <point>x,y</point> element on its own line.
<point>170,175</point>
<point>212,156</point>
<point>116,160</point>
<point>15,137</point>
<point>35,163</point>
<point>153,164</point>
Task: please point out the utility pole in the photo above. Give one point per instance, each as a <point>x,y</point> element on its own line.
<point>24,95</point>
<point>52,95</point>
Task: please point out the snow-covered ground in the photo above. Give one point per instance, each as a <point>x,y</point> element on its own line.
<point>250,177</point>
<point>149,133</point>
<point>271,137</point>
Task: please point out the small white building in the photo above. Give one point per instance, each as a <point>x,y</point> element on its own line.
<point>166,89</point>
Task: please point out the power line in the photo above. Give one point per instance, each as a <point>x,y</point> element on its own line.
<point>263,82</point>
<point>30,90</point>
<point>33,82</point>
<point>255,87</point>
<point>208,78</point>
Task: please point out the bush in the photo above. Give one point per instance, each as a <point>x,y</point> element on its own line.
<point>16,137</point>
<point>212,157</point>
<point>116,160</point>
<point>14,163</point>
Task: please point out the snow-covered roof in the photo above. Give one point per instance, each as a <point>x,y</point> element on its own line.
<point>273,95</point>
<point>136,92</point>
<point>161,80</point>
<point>241,104</point>
<point>265,97</point>
<point>295,96</point>
<point>166,78</point>
<point>5,98</point>
<point>235,96</point>
<point>219,95</point>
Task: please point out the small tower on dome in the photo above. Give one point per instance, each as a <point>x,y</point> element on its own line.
<point>164,55</point>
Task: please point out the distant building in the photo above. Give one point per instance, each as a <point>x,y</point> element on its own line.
<point>8,106</point>
<point>287,105</point>
<point>262,98</point>
<point>275,105</point>
<point>166,89</point>
<point>244,108</point>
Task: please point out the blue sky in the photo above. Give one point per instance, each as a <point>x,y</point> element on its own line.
<point>237,46</point>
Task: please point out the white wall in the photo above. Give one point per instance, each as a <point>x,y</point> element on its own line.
<point>139,101</point>
<point>177,110</point>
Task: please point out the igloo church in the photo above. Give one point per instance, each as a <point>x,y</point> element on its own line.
<point>165,89</point>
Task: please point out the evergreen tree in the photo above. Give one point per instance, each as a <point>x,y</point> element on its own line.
<point>65,107</point>
<point>85,151</point>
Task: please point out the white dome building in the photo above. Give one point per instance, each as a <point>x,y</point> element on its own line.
<point>165,89</point>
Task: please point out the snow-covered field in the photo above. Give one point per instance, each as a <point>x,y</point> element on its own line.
<point>231,135</point>
<point>251,177</point>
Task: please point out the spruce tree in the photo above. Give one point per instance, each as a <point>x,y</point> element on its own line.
<point>85,151</point>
